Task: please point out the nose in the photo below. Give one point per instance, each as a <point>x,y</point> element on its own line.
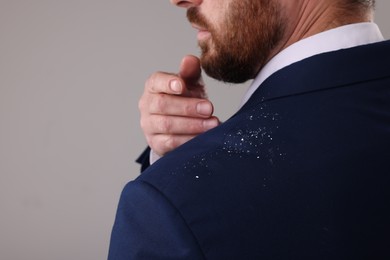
<point>186,3</point>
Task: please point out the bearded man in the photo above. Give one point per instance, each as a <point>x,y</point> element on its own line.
<point>299,172</point>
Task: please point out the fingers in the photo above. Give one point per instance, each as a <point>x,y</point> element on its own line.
<point>162,144</point>
<point>161,82</point>
<point>163,104</point>
<point>187,83</point>
<point>163,134</point>
<point>174,108</point>
<point>176,125</point>
<point>168,133</point>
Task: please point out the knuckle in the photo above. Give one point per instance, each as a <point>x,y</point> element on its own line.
<point>143,124</point>
<point>150,82</point>
<point>154,144</point>
<point>141,104</point>
<point>162,144</point>
<point>170,143</point>
<point>188,109</point>
<point>195,126</point>
<point>150,141</point>
<point>156,82</point>
<point>159,103</point>
<point>164,125</point>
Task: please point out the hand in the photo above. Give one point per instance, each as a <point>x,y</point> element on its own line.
<point>174,107</point>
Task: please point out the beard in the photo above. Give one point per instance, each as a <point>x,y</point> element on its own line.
<point>243,42</point>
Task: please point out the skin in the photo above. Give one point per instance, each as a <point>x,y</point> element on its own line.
<point>174,107</point>
<point>231,51</point>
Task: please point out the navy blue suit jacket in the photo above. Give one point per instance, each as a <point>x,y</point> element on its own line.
<point>302,171</point>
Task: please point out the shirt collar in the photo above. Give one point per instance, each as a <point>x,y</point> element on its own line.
<point>343,37</point>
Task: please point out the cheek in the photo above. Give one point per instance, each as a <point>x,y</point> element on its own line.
<point>217,11</point>
<point>218,23</point>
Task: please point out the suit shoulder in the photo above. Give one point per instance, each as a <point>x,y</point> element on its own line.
<point>147,226</point>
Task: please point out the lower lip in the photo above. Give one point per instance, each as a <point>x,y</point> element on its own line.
<point>203,35</point>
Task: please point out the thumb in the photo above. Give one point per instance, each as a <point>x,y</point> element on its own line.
<point>191,72</point>
<point>190,68</point>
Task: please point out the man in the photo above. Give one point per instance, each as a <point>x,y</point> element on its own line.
<point>299,172</point>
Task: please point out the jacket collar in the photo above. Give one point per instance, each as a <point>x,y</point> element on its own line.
<point>324,71</point>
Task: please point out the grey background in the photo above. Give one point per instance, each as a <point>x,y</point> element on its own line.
<point>71,73</point>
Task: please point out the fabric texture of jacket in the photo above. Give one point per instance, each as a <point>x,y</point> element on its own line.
<point>301,171</point>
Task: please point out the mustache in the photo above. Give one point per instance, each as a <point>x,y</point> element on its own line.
<point>195,17</point>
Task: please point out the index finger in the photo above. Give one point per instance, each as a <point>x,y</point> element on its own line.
<point>161,82</point>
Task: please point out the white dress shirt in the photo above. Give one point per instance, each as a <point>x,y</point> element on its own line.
<point>335,39</point>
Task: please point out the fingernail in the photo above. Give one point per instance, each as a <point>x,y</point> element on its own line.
<point>204,108</point>
<point>210,123</point>
<point>175,86</point>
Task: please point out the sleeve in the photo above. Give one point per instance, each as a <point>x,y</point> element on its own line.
<point>143,159</point>
<point>147,226</point>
